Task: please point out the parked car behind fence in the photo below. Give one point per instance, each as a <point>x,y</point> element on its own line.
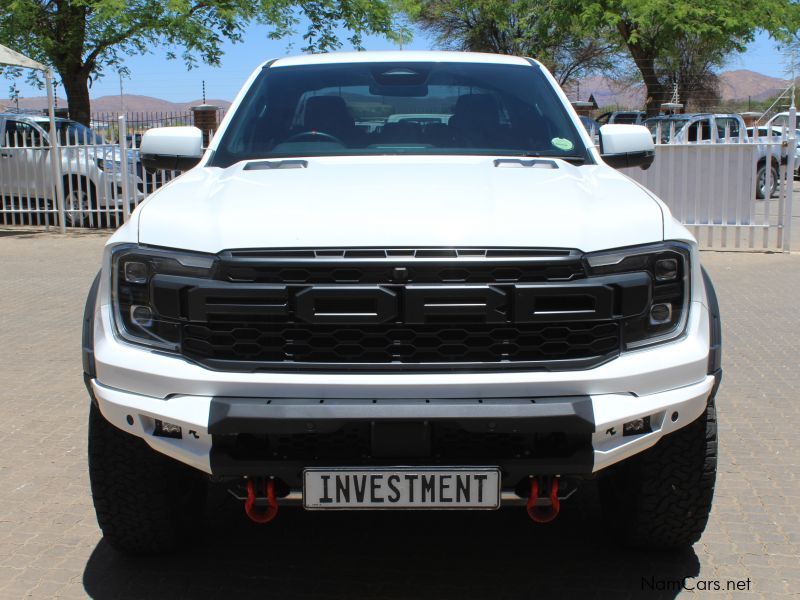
<point>93,176</point>
<point>706,128</point>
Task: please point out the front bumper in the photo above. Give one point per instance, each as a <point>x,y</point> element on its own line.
<point>600,418</point>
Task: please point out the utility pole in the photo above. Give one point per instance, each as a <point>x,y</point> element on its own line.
<point>790,166</point>
<point>121,94</point>
<point>794,76</point>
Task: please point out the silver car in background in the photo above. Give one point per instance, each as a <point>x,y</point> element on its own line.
<point>91,169</point>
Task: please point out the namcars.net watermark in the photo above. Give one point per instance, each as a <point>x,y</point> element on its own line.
<point>655,584</point>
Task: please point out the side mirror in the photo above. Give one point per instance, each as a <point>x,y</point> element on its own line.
<point>627,146</point>
<point>171,148</point>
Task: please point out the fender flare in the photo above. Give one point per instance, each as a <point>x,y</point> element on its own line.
<point>715,327</point>
<point>87,333</point>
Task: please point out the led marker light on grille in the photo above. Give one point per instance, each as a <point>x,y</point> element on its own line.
<point>660,314</point>
<point>136,272</point>
<point>666,269</point>
<point>142,315</point>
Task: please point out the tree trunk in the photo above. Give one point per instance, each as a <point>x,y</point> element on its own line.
<point>76,86</point>
<point>656,93</point>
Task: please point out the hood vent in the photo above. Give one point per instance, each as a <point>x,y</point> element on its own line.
<point>268,165</point>
<point>533,163</point>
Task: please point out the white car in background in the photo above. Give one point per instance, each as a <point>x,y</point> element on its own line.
<point>711,128</point>
<point>766,133</point>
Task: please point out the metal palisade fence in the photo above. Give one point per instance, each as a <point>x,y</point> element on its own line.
<point>732,192</point>
<point>95,183</point>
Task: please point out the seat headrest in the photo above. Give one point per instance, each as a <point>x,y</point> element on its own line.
<point>327,113</point>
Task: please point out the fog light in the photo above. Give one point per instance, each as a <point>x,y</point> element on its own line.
<point>666,269</point>
<point>136,272</point>
<point>142,315</point>
<point>660,314</point>
<point>167,430</point>
<point>637,427</point>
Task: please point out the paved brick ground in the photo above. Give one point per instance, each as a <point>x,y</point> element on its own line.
<point>50,545</point>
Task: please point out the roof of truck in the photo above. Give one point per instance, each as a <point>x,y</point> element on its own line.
<point>397,56</point>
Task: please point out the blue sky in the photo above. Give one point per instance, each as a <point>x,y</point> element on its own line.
<point>154,75</point>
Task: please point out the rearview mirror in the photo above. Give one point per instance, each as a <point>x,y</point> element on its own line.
<point>627,146</point>
<point>171,148</point>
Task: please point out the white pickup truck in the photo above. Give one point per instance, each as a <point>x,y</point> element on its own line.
<point>438,313</point>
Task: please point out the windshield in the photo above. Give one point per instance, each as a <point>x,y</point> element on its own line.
<point>71,133</point>
<point>782,120</point>
<point>668,127</point>
<point>400,108</point>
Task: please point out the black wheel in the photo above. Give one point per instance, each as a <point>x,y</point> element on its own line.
<point>761,182</point>
<point>146,503</point>
<point>661,498</point>
<point>80,203</point>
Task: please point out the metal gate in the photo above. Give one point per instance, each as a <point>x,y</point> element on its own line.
<point>714,189</point>
<point>92,184</point>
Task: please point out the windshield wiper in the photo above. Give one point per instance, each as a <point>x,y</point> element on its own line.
<point>570,158</point>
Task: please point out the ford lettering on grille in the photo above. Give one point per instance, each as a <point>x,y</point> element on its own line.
<point>586,300</point>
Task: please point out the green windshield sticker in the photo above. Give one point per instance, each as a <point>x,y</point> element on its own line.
<point>561,144</point>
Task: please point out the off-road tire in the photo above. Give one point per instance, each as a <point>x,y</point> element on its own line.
<point>146,503</point>
<point>661,498</point>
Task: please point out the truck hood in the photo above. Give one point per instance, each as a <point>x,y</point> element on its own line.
<point>414,201</point>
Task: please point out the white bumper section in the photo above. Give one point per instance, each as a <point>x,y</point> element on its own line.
<point>668,411</point>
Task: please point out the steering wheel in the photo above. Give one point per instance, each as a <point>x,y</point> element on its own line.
<point>315,136</point>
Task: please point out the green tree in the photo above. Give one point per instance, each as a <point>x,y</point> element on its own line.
<point>683,41</point>
<point>553,31</point>
<point>82,38</point>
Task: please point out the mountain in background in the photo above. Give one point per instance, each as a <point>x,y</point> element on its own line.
<point>743,84</point>
<point>739,84</point>
<point>133,104</point>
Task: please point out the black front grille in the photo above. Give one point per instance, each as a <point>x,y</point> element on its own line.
<point>397,343</point>
<point>354,441</point>
<point>255,312</point>
<point>432,265</point>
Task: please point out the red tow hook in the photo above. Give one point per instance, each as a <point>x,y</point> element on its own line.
<point>258,516</point>
<point>546,512</point>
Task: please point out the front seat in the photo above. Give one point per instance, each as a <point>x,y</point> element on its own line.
<point>476,120</point>
<point>329,114</point>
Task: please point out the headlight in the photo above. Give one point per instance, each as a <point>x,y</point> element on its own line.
<point>132,270</point>
<point>668,265</point>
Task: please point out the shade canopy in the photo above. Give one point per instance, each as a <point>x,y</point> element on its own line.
<point>9,57</point>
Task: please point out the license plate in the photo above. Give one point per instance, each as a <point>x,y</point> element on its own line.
<point>401,488</point>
